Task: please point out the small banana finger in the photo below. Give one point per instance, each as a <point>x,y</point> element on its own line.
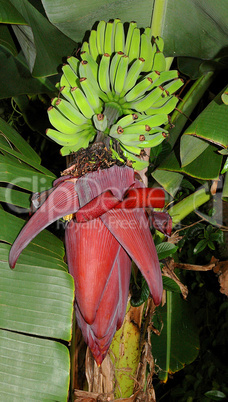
<point>100,36</point>
<point>119,38</point>
<point>82,102</point>
<point>69,111</point>
<point>93,44</point>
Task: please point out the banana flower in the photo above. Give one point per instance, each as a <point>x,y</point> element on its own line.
<point>108,227</point>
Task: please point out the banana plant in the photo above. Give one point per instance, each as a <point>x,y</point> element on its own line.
<point>127,107</point>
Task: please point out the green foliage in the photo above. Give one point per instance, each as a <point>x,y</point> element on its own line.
<point>36,297</point>
<point>178,343</point>
<point>208,372</point>
<point>205,378</point>
<point>35,39</point>
<point>198,238</point>
<point>209,236</point>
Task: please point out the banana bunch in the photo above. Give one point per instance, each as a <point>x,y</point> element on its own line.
<point>109,37</point>
<point>124,74</point>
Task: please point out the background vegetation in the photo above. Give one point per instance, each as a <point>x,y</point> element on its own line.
<point>36,327</point>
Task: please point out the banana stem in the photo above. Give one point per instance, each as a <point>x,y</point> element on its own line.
<point>189,204</point>
<point>159,11</point>
<point>169,329</point>
<point>125,352</point>
<point>179,211</point>
<point>184,109</point>
<point>112,111</point>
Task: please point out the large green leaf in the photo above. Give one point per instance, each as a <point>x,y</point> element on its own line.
<point>178,342</point>
<point>171,181</point>
<point>32,369</point>
<point>35,300</point>
<point>205,33</point>
<point>31,255</point>
<point>6,39</point>
<point>25,178</point>
<point>206,166</point>
<point>182,113</point>
<point>191,148</point>
<point>210,125</point>
<point>203,36</point>
<point>20,169</point>
<point>16,79</point>
<point>15,197</point>
<point>74,17</point>
<point>13,137</point>
<point>44,242</point>
<point>50,44</point>
<point>9,14</point>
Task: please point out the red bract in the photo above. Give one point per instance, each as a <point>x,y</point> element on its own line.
<point>109,228</point>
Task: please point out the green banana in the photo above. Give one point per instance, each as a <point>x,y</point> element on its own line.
<point>69,111</point>
<point>149,82</point>
<point>154,75</point>
<point>128,119</point>
<point>86,71</point>
<point>116,21</point>
<point>63,139</point>
<point>74,63</point>
<point>119,132</point>
<point>91,95</point>
<point>113,67</point>
<point>173,86</point>
<point>137,162</point>
<point>61,123</point>
<point>85,47</point>
<point>100,36</point>
<point>159,43</point>
<point>93,65</point>
<point>134,46</point>
<point>121,74</point>
<point>82,102</point>
<point>139,89</point>
<point>167,107</point>
<point>152,121</point>
<point>156,139</point>
<point>136,129</point>
<point>70,75</point>
<point>147,52</point>
<point>93,44</point>
<point>165,76</point>
<point>148,32</point>
<point>162,101</point>
<point>131,28</point>
<point>100,122</point>
<point>64,82</point>
<point>119,40</point>
<point>82,142</point>
<point>143,141</point>
<point>159,63</point>
<point>147,101</point>
<point>116,130</point>
<point>132,75</point>
<point>109,38</point>
<point>103,74</point>
<point>132,149</point>
<point>66,93</point>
